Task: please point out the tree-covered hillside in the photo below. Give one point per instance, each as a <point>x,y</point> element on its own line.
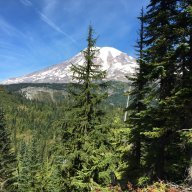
<point>57,92</point>
<point>97,138</point>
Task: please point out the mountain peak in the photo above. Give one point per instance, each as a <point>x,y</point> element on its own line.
<point>116,63</point>
<point>104,51</point>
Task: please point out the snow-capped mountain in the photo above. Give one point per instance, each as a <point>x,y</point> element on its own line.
<point>116,63</point>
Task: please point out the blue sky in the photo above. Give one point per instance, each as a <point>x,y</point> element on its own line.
<point>35,34</point>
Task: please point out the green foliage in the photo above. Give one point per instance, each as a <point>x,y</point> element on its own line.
<point>160,109</point>
<point>87,141</point>
<point>7,159</point>
<point>79,142</point>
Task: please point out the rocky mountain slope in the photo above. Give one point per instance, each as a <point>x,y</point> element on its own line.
<point>57,92</point>
<point>116,63</point>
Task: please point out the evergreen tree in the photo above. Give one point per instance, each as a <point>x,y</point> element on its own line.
<point>29,166</point>
<point>88,159</point>
<point>181,99</point>
<point>137,105</point>
<point>184,58</point>
<point>8,180</point>
<point>23,168</point>
<point>167,78</point>
<point>159,43</point>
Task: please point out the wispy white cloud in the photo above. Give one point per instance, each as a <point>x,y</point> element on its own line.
<point>26,2</point>
<point>47,20</point>
<point>9,29</point>
<point>49,7</point>
<point>54,26</point>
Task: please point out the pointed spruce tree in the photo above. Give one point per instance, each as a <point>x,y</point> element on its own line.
<point>159,42</point>
<point>181,99</point>
<point>137,105</point>
<point>88,157</point>
<point>167,113</point>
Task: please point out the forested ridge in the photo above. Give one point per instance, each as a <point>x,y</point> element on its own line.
<point>82,143</point>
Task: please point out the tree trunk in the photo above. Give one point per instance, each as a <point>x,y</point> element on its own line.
<point>160,159</point>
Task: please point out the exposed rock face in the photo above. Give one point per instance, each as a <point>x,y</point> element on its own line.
<point>116,63</point>
<point>42,93</point>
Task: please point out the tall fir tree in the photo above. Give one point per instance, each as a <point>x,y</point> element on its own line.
<point>159,42</point>
<point>182,92</point>
<point>167,83</point>
<point>137,105</point>
<point>88,158</point>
